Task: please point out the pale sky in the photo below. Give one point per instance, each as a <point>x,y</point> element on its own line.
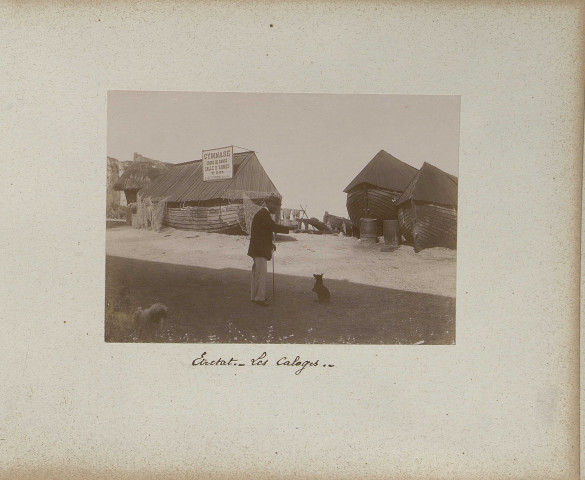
<point>311,145</point>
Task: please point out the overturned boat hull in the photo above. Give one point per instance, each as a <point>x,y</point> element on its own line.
<point>220,219</point>
<point>426,225</point>
<point>372,202</point>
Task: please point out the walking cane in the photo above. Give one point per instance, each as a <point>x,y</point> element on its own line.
<point>273,292</point>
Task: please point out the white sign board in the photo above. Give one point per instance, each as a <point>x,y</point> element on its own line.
<point>218,163</point>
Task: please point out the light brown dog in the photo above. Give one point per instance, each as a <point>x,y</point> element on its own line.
<point>150,322</point>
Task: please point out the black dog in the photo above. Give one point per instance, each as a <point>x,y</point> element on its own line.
<point>321,290</point>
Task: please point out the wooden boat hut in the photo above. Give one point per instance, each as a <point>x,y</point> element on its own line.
<point>427,210</point>
<point>138,174</point>
<point>372,193</point>
<point>211,206</point>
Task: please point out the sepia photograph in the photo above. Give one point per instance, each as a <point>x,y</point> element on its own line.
<point>233,229</point>
<point>281,218</point>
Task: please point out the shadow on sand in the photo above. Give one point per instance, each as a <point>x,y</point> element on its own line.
<point>213,306</point>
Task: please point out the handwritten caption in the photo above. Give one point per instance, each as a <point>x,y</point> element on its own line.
<point>261,361</point>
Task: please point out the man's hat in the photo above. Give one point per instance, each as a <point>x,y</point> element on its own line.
<point>273,199</point>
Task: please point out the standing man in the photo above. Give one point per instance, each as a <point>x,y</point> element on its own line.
<point>261,247</point>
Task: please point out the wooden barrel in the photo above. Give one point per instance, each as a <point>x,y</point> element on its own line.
<point>391,232</point>
<point>368,230</point>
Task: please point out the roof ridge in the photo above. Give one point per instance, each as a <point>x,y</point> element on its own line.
<point>380,166</point>
<point>395,158</point>
<point>451,177</point>
<point>433,191</point>
<point>200,159</point>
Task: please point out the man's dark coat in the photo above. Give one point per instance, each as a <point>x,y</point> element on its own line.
<point>261,236</point>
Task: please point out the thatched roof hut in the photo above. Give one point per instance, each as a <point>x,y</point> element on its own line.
<point>427,210</point>
<point>138,174</point>
<point>372,193</point>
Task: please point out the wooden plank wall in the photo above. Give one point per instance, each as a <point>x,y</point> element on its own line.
<point>372,202</point>
<point>356,204</point>
<point>406,222</point>
<point>381,204</point>
<point>205,219</point>
<point>435,226</point>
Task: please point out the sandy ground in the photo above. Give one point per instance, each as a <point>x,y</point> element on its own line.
<point>340,258</point>
<point>376,296</point>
